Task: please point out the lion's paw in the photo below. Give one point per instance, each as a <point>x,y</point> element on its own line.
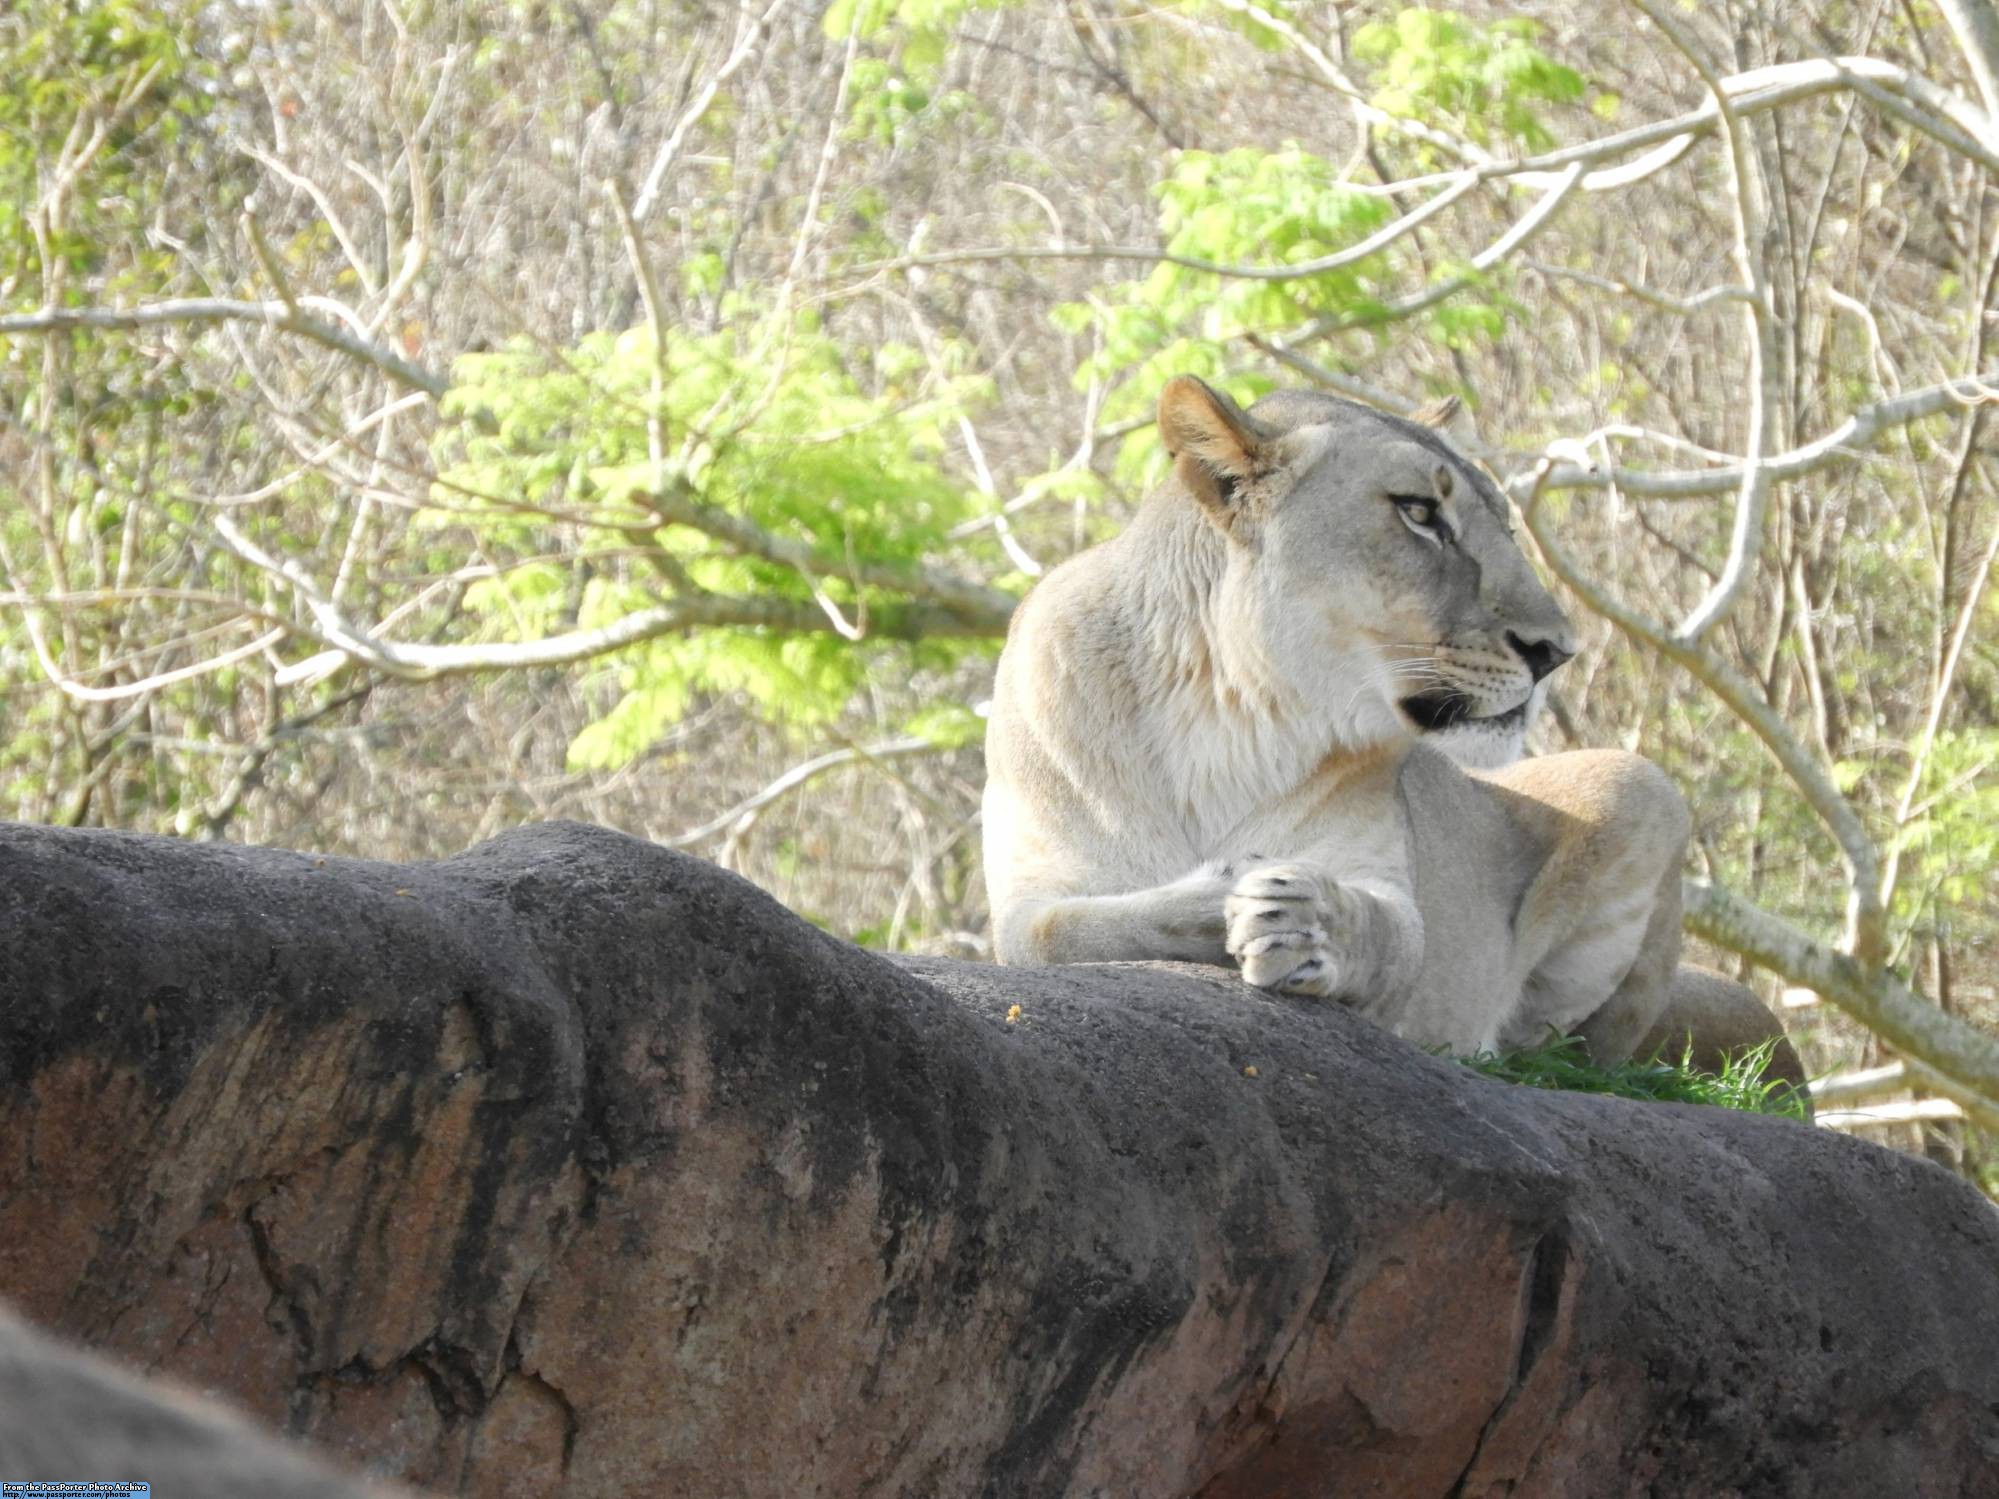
<point>1276,918</point>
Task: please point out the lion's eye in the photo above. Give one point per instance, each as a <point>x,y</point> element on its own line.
<point>1423,516</point>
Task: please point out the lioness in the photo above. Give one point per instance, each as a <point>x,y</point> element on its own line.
<point>1238,733</point>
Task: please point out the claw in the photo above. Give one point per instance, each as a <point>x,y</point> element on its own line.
<point>1312,977</point>
<point>1275,930</point>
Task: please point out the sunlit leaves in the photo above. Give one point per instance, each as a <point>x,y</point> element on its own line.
<point>770,422</point>
<point>1236,207</point>
<point>948,725</point>
<point>65,62</point>
<point>1265,210</point>
<point>1951,842</point>
<point>1484,82</point>
<point>892,87</point>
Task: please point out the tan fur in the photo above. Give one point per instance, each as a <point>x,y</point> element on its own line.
<point>1204,746</point>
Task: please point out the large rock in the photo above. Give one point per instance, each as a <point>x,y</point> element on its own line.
<point>574,1164</point>
<point>68,1417</point>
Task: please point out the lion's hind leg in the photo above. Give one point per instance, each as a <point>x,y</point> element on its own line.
<point>1616,1028</point>
<point>1597,934</point>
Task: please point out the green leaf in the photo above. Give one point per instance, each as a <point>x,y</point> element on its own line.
<point>773,425</point>
<point>948,726</point>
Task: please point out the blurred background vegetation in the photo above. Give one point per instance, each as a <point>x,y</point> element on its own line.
<point>420,418</point>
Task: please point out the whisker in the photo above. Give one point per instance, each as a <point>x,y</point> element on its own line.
<point>1371,679</point>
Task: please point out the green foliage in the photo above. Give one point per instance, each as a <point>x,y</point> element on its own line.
<point>64,67</point>
<point>890,92</point>
<point>764,422</point>
<point>1563,1064</point>
<point>67,60</point>
<point>1952,841</point>
<point>948,725</point>
<point>922,26</point>
<point>1251,207</point>
<point>1244,206</point>
<point>1483,82</point>
<point>885,101</point>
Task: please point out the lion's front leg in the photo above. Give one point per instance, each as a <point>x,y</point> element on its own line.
<point>1295,929</point>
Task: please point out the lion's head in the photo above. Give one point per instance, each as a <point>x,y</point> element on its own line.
<point>1355,535</point>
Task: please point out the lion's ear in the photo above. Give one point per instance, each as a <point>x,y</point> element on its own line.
<point>1216,449</point>
<point>1437,413</point>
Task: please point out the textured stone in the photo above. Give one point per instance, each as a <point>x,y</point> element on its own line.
<point>69,1417</point>
<point>575,1163</point>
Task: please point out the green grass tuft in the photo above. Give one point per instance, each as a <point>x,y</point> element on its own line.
<point>1563,1063</point>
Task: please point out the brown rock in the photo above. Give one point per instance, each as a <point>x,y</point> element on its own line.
<point>69,1417</point>
<point>585,1167</point>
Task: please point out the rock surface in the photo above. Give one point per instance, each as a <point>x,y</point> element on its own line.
<point>69,1417</point>
<point>574,1165</point>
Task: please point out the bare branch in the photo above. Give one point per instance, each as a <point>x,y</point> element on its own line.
<point>1861,1085</point>
<point>747,42</point>
<point>1376,242</point>
<point>316,461</point>
<point>829,148</point>
<point>336,225</point>
<point>1741,696</point>
<point>1958,1050</point>
<point>348,642</point>
<point>1664,301</point>
<point>1928,107</point>
<point>422,663</point>
<point>1934,110</point>
<point>267,262</point>
<point>1766,375</point>
<point>1347,385</point>
<point>184,310</point>
<point>1976,24</point>
<point>1846,441</point>
<point>1981,1110</point>
<point>1560,185</point>
<point>1529,224</point>
<point>1906,809</point>
<point>791,780</point>
<point>1888,1115</point>
<point>655,310</point>
<point>79,692</point>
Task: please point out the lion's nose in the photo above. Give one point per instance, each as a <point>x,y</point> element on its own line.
<point>1541,656</point>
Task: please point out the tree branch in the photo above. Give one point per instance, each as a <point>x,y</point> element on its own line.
<point>275,314</point>
<point>669,149</point>
<point>1766,375</point>
<point>422,663</point>
<point>1961,1052</point>
<point>987,609</point>
<point>348,642</point>
<point>1529,224</point>
<point>1664,301</point>
<point>1976,24</point>
<point>1460,184</point>
<point>1921,103</point>
<point>1860,428</point>
<point>791,780</point>
<point>1935,111</point>
<point>1741,696</point>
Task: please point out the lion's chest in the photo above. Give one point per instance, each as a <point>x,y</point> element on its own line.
<point>1218,784</point>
